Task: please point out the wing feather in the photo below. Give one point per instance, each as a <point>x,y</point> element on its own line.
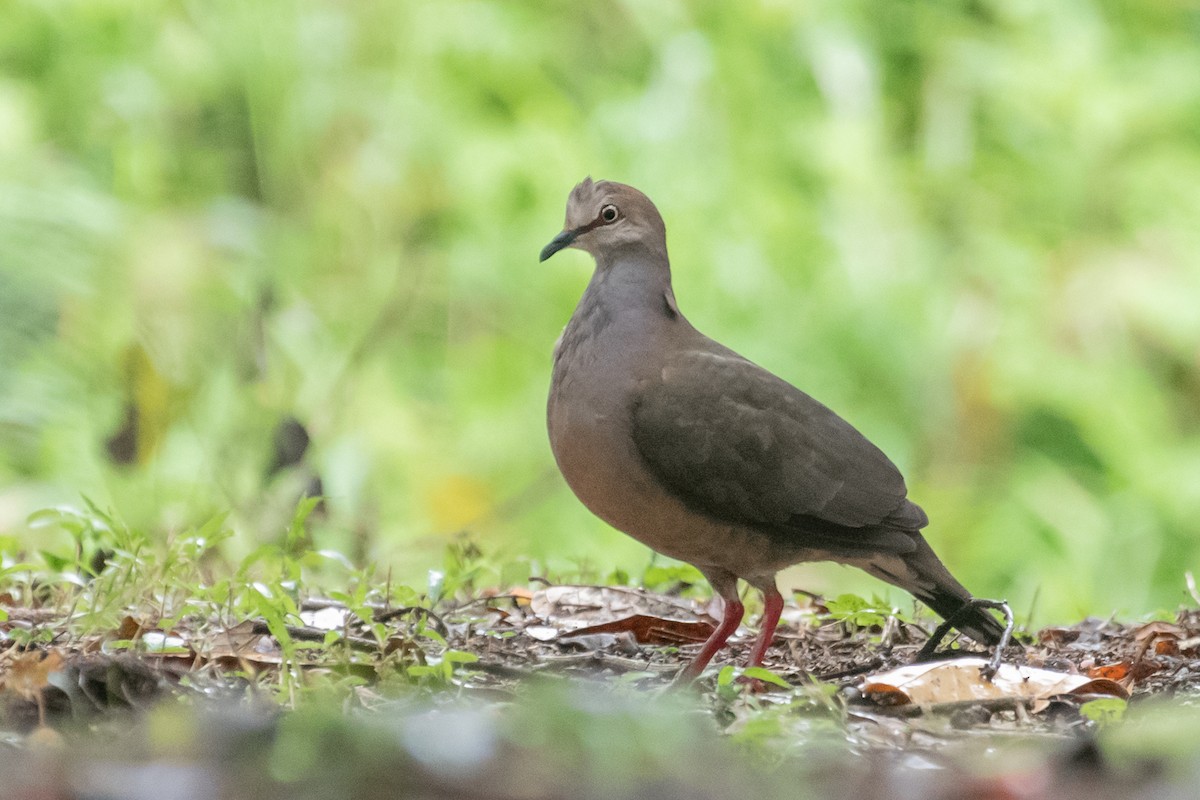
<point>746,446</point>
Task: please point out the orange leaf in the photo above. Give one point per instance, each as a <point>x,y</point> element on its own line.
<point>29,673</point>
<point>647,629</point>
<point>1113,672</point>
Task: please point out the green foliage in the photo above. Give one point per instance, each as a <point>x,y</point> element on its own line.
<point>766,676</point>
<point>108,570</point>
<point>1104,711</point>
<point>672,578</point>
<point>1159,731</point>
<point>862,613</point>
<point>442,672</point>
<point>218,216</point>
<point>801,719</point>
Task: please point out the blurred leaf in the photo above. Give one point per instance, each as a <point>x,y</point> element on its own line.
<point>1104,711</point>
<point>1060,438</point>
<point>766,676</point>
<point>456,501</point>
<point>149,410</point>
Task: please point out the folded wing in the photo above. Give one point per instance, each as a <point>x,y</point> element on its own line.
<point>743,445</point>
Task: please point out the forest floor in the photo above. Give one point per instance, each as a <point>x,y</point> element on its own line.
<point>567,691</point>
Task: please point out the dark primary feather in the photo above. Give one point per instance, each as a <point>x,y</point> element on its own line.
<point>746,446</point>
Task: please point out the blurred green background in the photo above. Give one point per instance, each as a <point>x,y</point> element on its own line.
<point>971,227</point>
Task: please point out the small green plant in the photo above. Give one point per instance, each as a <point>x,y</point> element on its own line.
<point>672,579</point>
<point>862,613</point>
<point>441,669</point>
<point>1104,711</point>
<point>766,676</point>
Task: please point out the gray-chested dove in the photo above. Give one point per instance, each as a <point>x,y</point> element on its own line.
<point>707,457</point>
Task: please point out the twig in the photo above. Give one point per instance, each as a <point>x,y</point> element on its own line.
<point>438,623</point>
<point>874,663</point>
<point>380,612</point>
<point>306,633</point>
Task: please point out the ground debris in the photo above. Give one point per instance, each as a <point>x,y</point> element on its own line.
<point>494,642</point>
<point>964,680</point>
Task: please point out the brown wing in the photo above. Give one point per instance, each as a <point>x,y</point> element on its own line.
<point>743,445</point>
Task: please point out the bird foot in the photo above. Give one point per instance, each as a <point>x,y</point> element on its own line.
<point>930,649</point>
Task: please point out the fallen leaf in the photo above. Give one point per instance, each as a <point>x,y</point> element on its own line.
<point>242,643</point>
<point>1190,646</point>
<point>1057,636</point>
<point>1113,672</point>
<point>543,633</point>
<point>29,673</point>
<point>961,679</point>
<point>647,629</point>
<point>1153,630</point>
<point>129,628</point>
<point>329,618</point>
<point>574,607</point>
<point>162,643</point>
<point>1161,638</point>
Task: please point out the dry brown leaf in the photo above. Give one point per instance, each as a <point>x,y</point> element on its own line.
<point>129,628</point>
<point>1161,638</point>
<point>242,643</point>
<point>1154,630</point>
<point>575,607</point>
<point>961,679</point>
<point>1058,636</point>
<point>653,630</point>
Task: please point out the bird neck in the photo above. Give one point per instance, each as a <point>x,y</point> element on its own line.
<point>632,281</point>
<point>625,315</point>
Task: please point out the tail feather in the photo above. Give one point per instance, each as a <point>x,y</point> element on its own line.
<point>922,574</point>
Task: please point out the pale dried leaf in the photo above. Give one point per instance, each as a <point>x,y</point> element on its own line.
<point>329,618</point>
<point>1154,630</point>
<point>543,633</point>
<point>573,607</point>
<point>242,643</point>
<point>961,680</point>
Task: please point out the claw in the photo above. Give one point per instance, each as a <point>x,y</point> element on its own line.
<point>940,632</point>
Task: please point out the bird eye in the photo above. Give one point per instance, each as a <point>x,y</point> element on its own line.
<point>609,213</point>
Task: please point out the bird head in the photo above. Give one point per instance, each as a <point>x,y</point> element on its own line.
<point>603,215</point>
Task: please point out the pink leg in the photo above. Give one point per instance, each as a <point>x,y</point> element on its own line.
<point>772,608</point>
<point>729,623</point>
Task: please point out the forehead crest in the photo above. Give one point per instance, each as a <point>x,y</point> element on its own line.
<point>583,195</point>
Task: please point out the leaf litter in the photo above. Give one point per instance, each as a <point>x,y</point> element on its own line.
<point>858,677</point>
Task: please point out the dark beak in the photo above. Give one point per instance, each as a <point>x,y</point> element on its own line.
<point>564,239</point>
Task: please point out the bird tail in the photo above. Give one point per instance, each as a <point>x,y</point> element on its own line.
<point>922,574</point>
